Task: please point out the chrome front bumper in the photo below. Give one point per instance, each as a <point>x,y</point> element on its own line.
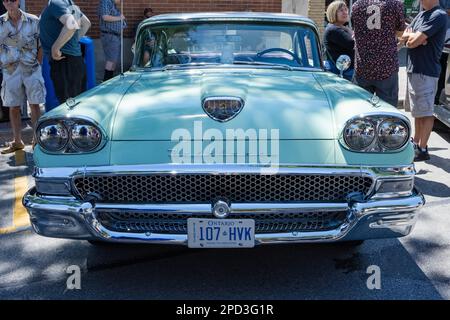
<point>376,217</point>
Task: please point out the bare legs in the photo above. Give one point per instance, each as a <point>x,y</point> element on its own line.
<point>16,122</point>
<point>423,128</point>
<point>35,114</point>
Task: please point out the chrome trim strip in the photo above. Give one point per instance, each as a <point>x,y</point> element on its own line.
<point>236,208</point>
<point>390,195</point>
<point>379,171</point>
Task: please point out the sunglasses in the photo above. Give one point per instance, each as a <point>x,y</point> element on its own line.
<point>12,1</point>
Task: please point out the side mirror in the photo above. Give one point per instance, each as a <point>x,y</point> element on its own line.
<point>133,48</point>
<point>343,63</point>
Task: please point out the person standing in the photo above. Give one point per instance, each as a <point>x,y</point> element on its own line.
<point>377,24</point>
<point>424,39</point>
<point>148,13</point>
<point>20,60</point>
<point>62,25</point>
<point>112,21</point>
<point>445,5</point>
<point>337,38</point>
<point>4,112</point>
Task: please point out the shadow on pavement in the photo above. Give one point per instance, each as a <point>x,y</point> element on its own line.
<point>432,188</point>
<point>34,267</point>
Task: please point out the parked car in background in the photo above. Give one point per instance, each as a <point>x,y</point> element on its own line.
<point>227,132</point>
<point>442,109</point>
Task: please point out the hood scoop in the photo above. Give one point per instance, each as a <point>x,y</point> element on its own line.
<point>222,109</point>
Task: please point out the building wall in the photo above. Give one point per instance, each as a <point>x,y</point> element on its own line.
<point>296,6</point>
<point>316,11</point>
<point>134,9</point>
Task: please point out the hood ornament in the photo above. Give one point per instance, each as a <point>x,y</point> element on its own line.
<point>71,103</point>
<point>375,100</point>
<point>222,109</point>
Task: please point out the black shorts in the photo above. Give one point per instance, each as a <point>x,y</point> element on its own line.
<point>68,76</point>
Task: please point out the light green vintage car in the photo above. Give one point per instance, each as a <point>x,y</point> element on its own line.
<point>226,132</point>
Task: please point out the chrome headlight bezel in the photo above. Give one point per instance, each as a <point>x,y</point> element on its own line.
<point>377,145</point>
<point>381,135</point>
<point>369,128</point>
<point>69,124</point>
<point>57,127</point>
<point>85,137</point>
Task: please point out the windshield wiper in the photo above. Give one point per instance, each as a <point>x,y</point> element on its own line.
<point>256,63</point>
<point>192,64</point>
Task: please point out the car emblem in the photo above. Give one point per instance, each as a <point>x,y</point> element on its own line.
<point>222,109</point>
<point>221,209</point>
<point>375,100</point>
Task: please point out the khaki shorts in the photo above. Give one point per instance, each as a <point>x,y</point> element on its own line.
<point>21,85</point>
<point>421,91</point>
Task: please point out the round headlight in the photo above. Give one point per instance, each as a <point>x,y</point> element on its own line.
<point>393,134</point>
<point>359,134</point>
<point>52,136</point>
<point>86,137</point>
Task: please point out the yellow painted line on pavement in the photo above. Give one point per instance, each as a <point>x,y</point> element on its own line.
<point>7,230</point>
<point>20,215</point>
<point>20,158</point>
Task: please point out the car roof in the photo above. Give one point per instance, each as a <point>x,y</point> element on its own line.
<point>227,16</point>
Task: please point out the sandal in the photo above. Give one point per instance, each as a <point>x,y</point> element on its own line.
<point>13,147</point>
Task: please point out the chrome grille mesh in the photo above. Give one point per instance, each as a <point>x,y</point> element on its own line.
<point>139,222</point>
<point>205,188</point>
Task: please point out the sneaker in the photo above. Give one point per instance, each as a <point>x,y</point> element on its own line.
<point>422,155</point>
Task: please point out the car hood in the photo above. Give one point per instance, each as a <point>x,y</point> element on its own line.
<point>160,103</point>
<point>140,112</point>
<point>98,104</point>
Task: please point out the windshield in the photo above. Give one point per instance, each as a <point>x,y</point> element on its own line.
<point>198,44</point>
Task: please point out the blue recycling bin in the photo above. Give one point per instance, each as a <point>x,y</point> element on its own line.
<point>87,49</point>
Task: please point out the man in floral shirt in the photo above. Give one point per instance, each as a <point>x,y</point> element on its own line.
<point>377,24</point>
<point>20,60</point>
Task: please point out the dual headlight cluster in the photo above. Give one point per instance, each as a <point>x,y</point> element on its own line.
<point>376,133</point>
<point>68,136</point>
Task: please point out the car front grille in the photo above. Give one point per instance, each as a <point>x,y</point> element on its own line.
<point>206,188</point>
<point>141,222</point>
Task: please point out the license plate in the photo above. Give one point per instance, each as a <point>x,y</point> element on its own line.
<point>221,233</point>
